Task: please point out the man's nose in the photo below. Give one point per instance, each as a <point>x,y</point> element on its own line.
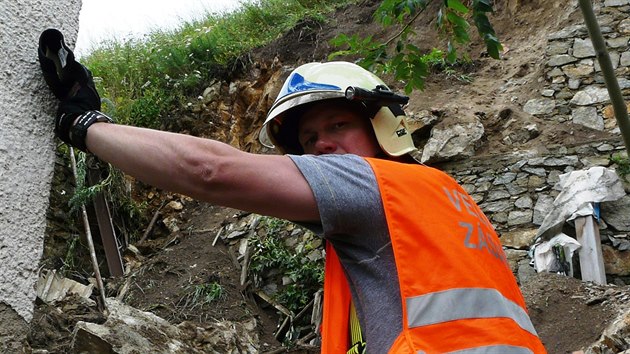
<point>325,145</point>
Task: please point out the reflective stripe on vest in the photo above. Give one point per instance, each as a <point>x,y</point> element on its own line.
<point>495,349</point>
<point>458,304</point>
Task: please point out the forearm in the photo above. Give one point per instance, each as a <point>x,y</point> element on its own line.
<point>162,159</point>
<point>206,170</point>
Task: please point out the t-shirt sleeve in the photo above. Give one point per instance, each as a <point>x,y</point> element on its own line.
<point>347,195</point>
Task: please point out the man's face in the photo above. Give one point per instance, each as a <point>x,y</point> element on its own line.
<point>334,129</point>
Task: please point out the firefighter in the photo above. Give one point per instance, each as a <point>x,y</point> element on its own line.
<point>412,263</point>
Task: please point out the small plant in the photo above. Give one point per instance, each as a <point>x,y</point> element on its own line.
<point>272,256</point>
<point>623,166</point>
<point>83,193</point>
<point>200,295</point>
<point>70,258</point>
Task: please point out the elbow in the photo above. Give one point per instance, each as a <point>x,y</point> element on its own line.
<point>207,175</point>
<point>203,173</point>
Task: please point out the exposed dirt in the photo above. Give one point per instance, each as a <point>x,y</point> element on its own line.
<point>567,313</point>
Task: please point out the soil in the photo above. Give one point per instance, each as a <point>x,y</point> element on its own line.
<point>567,313</point>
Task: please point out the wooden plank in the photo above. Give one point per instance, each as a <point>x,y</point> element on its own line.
<point>591,258</point>
<point>105,226</point>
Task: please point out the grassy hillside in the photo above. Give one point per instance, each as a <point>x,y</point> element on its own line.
<point>142,80</point>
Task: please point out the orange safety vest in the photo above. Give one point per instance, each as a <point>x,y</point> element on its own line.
<point>458,292</point>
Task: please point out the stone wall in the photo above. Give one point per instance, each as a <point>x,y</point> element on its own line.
<point>574,87</point>
<point>517,191</point>
<point>26,154</point>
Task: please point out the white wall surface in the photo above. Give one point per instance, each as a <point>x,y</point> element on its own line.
<point>26,142</point>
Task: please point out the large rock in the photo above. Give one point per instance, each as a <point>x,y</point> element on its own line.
<point>616,262</point>
<point>578,70</point>
<point>590,95</point>
<point>544,205</point>
<point>129,330</point>
<point>453,138</point>
<point>553,161</point>
<point>588,117</point>
<point>615,338</point>
<point>583,48</point>
<point>514,257</point>
<point>617,214</point>
<point>519,239</point>
<point>569,32</point>
<point>561,59</point>
<point>539,106</point>
<point>519,217</point>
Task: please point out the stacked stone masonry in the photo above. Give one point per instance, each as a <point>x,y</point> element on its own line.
<point>574,85</point>
<point>517,191</point>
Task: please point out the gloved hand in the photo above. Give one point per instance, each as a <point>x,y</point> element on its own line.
<point>72,83</point>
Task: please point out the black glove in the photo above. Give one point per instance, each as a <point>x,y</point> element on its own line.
<point>73,85</point>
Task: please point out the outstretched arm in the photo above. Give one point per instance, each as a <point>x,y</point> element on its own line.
<point>203,169</point>
<point>206,170</point>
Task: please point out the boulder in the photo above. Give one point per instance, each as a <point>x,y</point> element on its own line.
<point>590,95</point>
<point>617,214</point>
<point>540,106</point>
<point>453,138</point>
<point>519,239</point>
<point>588,117</point>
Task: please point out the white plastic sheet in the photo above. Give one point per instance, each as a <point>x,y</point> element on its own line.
<point>578,190</point>
<point>546,261</point>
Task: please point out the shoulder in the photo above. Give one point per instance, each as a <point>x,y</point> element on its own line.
<point>343,167</point>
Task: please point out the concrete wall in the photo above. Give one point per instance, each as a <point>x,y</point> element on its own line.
<point>26,148</point>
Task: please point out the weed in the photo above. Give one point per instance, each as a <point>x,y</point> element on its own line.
<point>69,261</point>
<point>200,295</point>
<point>623,166</point>
<point>272,256</point>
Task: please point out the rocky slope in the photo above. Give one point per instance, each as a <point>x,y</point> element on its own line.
<point>506,129</point>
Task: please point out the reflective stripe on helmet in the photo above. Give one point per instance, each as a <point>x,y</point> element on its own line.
<point>297,83</point>
<point>464,303</point>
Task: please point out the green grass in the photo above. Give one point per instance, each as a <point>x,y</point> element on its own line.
<point>200,295</point>
<point>147,80</point>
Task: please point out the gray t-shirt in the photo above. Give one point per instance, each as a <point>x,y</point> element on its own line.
<point>353,220</point>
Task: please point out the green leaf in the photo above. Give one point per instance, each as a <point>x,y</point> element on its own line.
<point>457,20</point>
<point>340,40</point>
<point>482,5</point>
<point>457,6</point>
<point>451,54</point>
<point>493,46</point>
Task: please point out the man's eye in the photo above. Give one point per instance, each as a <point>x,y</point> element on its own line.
<point>340,124</point>
<point>309,141</point>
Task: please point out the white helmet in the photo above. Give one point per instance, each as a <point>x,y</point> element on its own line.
<point>316,82</point>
